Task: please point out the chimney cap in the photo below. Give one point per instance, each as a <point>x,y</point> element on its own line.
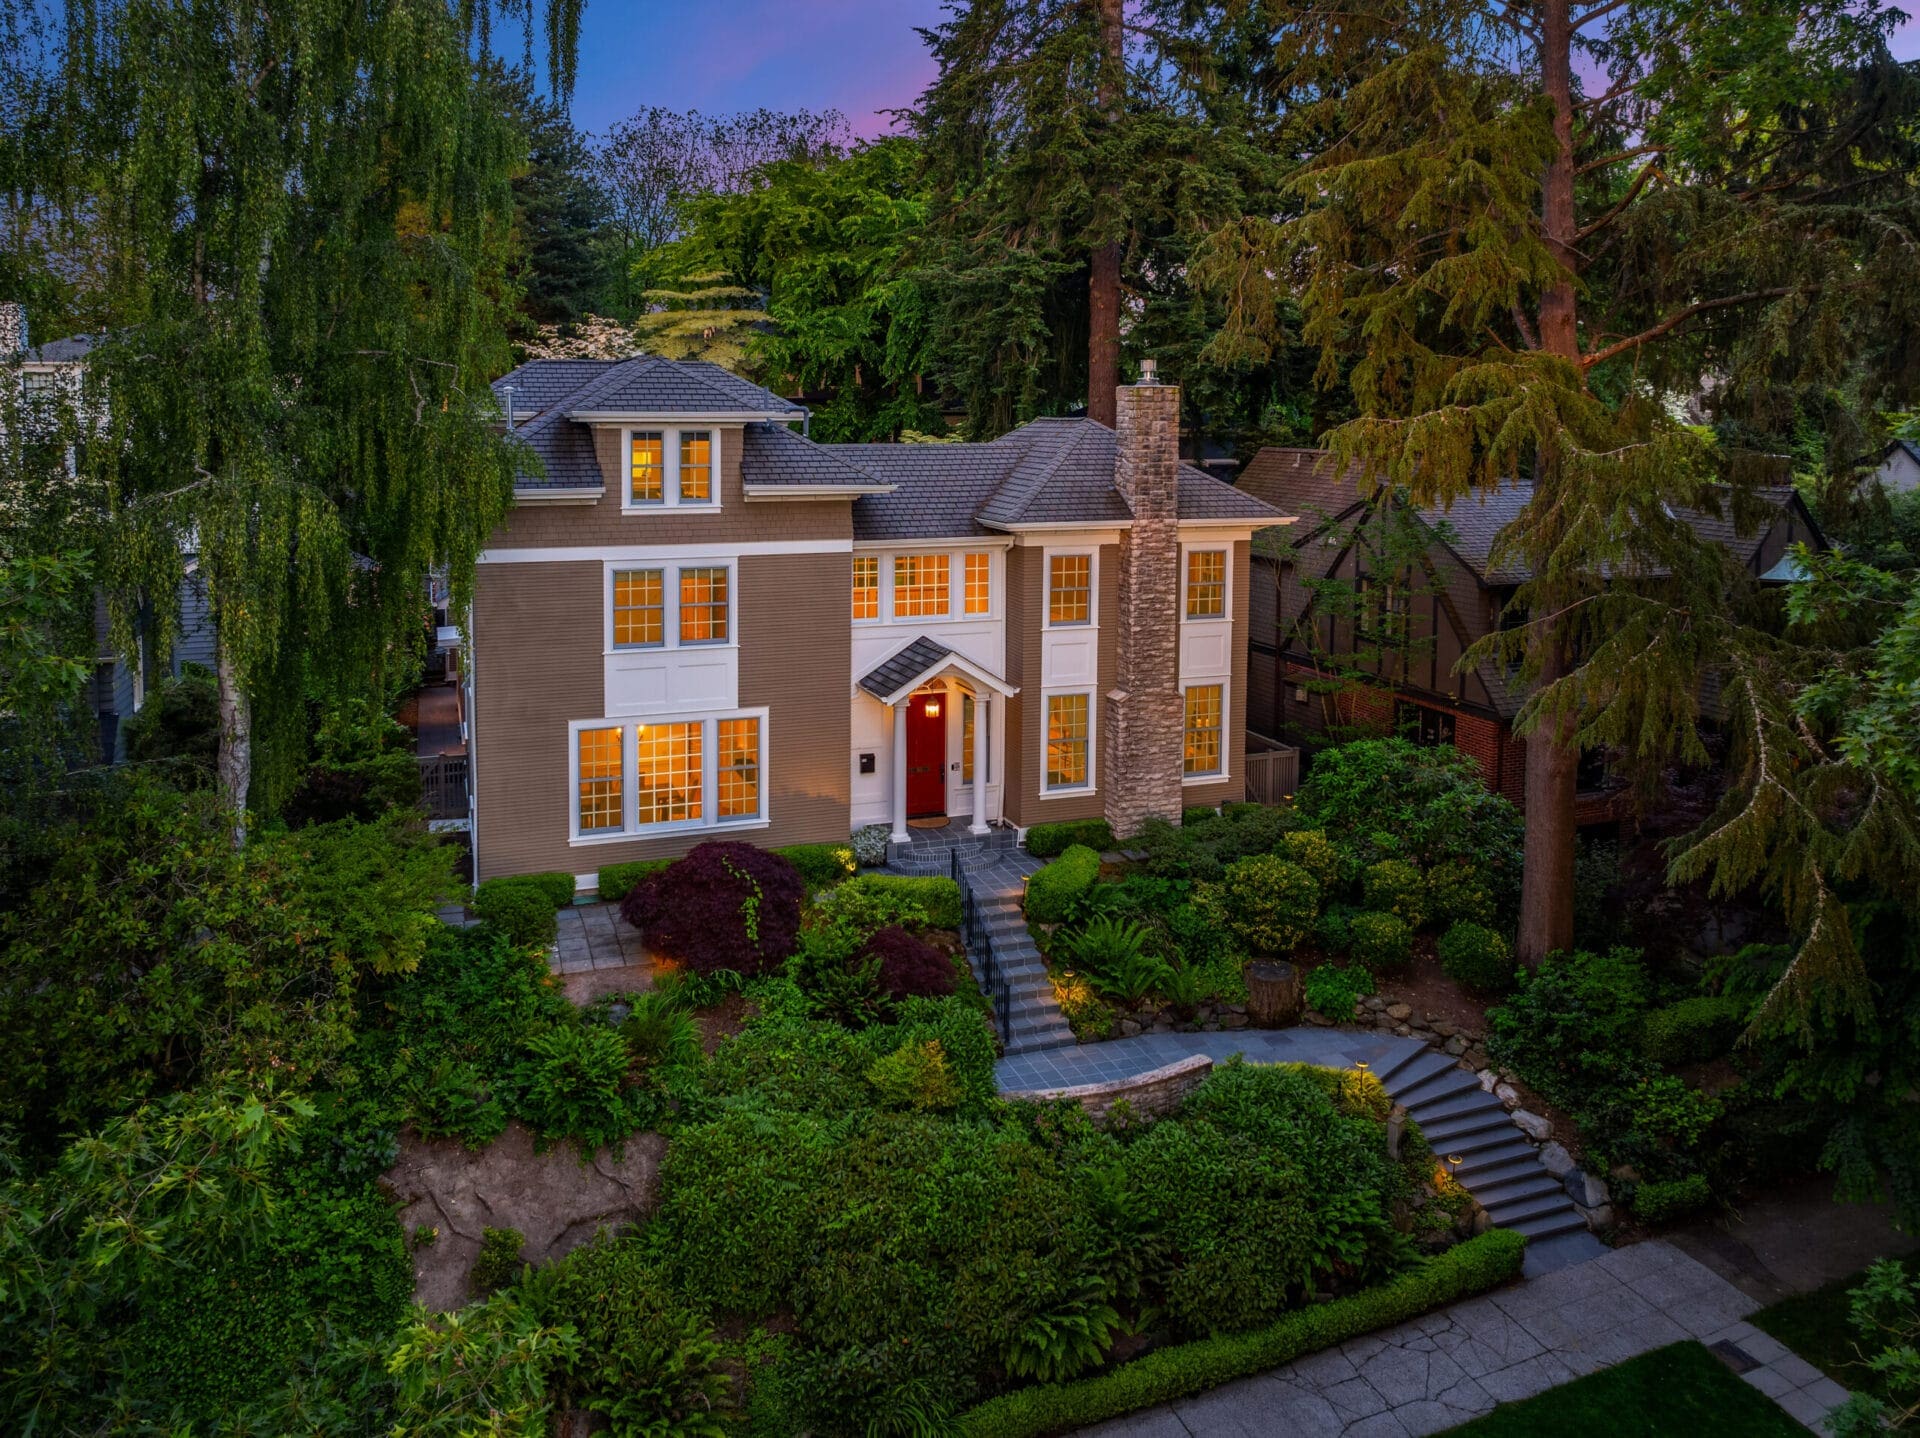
<point>1149,368</point>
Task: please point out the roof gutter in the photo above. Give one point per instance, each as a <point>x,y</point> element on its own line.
<point>678,416</point>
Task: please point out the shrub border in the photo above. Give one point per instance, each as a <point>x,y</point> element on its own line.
<point>1468,1268</point>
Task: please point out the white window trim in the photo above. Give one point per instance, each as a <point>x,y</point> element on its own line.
<point>1092,621</point>
<point>670,462</point>
<point>670,603</point>
<point>1225,616</point>
<point>630,828</point>
<point>956,552</point>
<point>1226,730</point>
<point>1048,791</point>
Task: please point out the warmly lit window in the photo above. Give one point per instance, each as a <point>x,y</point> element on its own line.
<point>600,797</point>
<point>966,739</point>
<point>979,598</point>
<point>1066,741</point>
<point>696,466</point>
<point>703,606</point>
<point>1069,589</point>
<point>1203,729</point>
<point>866,586</point>
<point>667,772</point>
<point>920,585</point>
<point>639,607</point>
<point>739,745</point>
<point>648,468</point>
<point>1206,583</point>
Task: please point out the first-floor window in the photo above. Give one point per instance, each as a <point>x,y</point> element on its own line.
<point>1203,729</point>
<point>739,768</point>
<point>667,773</point>
<point>601,768</point>
<point>1066,741</point>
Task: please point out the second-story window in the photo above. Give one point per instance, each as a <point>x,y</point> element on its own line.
<point>866,586</point>
<point>979,590</point>
<point>703,606</point>
<point>639,608</point>
<point>1069,588</point>
<point>647,467</point>
<point>920,586</point>
<point>1206,583</point>
<point>696,466</point>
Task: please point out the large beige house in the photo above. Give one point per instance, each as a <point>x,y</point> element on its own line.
<point>698,623</point>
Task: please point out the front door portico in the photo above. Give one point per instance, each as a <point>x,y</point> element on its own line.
<point>927,756</point>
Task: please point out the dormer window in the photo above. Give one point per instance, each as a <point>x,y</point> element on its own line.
<point>672,469</point>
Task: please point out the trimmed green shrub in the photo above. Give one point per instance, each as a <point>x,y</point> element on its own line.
<point>1268,903</point>
<point>1380,941</point>
<point>1178,1372</point>
<point>559,888</point>
<point>1048,841</point>
<point>1054,892</point>
<point>1660,1201</point>
<point>937,898</point>
<point>820,865</point>
<point>1313,851</point>
<point>1333,930</point>
<point>520,908</point>
<point>618,880</point>
<point>1394,886</point>
<point>1477,957</point>
<point>1693,1030</point>
<point>916,1076</point>
<point>1333,989</point>
<point>498,1262</point>
<point>1457,894</point>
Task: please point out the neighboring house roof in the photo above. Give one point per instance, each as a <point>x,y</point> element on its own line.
<point>67,351</point>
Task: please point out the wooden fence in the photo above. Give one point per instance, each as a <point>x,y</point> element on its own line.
<point>443,785</point>
<point>1272,774</point>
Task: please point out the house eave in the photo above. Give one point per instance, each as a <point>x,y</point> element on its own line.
<point>682,416</point>
<point>814,491</point>
<point>573,494</point>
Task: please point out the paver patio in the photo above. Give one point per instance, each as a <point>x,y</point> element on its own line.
<point>594,936</point>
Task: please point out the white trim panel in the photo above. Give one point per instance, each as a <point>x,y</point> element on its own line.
<point>670,553</point>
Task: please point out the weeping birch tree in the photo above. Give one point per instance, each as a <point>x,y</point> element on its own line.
<point>305,211</point>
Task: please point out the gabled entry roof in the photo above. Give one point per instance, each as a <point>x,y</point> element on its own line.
<point>898,676</point>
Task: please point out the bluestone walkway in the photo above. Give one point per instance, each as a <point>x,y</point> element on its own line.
<point>1436,1372</point>
<point>1123,1058</point>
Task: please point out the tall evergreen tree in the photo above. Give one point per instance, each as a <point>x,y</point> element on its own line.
<point>559,209</point>
<point>306,211</point>
<point>1520,275</point>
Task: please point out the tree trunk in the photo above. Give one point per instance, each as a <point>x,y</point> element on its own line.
<point>1273,995</point>
<point>234,764</point>
<point>1553,759</point>
<point>1103,279</point>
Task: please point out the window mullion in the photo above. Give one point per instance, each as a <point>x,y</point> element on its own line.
<point>710,771</point>
<point>670,467</point>
<point>630,777</point>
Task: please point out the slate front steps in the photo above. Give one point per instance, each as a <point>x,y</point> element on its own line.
<point>1001,947</point>
<point>1497,1165</point>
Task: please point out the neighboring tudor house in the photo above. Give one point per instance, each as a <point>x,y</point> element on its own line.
<point>696,623</point>
<point>1458,602</point>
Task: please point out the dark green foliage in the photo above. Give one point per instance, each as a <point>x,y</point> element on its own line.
<point>1333,989</point>
<point>363,768</point>
<point>1206,844</point>
<point>1267,904</point>
<point>915,1076</point>
<point>1477,957</point>
<point>1473,1267</point>
<point>1394,886</point>
<point>1054,893</point>
<point>557,208</point>
<point>1597,921</point>
<point>559,888</point>
<point>521,909</point>
<point>1313,851</point>
<point>1456,894</point>
<point>1047,841</point>
<point>576,1086</point>
<point>218,1335</point>
<point>178,727</point>
<point>658,1031</point>
<point>820,865</point>
<point>1573,1011</point>
<point>1379,940</point>
<point>1661,1201</point>
<point>499,1261</point>
<point>1114,956</point>
<point>1693,1030</point>
<point>616,881</point>
<point>938,899</point>
<point>726,905</point>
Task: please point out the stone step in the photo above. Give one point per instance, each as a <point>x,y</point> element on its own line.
<point>1549,1225</point>
<point>1511,1189</point>
<point>1458,1105</point>
<point>1444,1135</point>
<point>1509,1212</point>
<point>1026,1043</point>
<point>1424,1064</point>
<point>1434,1087</point>
<point>1466,1146</point>
<point>1499,1165</point>
<point>1390,1071</point>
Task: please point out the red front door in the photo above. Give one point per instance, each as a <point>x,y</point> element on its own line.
<point>926,755</point>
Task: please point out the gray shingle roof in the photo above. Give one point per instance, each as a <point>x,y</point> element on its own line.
<point>538,385</point>
<point>904,668</point>
<point>649,384</point>
<point>773,455</point>
<point>66,351</point>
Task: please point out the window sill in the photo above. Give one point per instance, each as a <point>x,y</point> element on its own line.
<point>1079,792</point>
<point>667,831</point>
<point>705,645</point>
<point>1193,780</point>
<point>640,509</point>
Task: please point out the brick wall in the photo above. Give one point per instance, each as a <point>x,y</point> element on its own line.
<point>1502,757</point>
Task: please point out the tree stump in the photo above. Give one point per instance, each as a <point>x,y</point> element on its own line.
<point>1273,994</point>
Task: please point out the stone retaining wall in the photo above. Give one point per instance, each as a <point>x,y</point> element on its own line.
<point>1153,1094</point>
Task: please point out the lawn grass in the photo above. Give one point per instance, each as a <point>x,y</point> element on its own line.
<point>1681,1391</point>
<point>1815,1326</point>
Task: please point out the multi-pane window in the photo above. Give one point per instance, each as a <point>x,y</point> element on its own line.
<point>1203,729</point>
<point>920,585</point>
<point>966,740</point>
<point>1066,741</point>
<point>739,788</point>
<point>639,607</point>
<point>599,789</point>
<point>703,606</point>
<point>1069,588</point>
<point>667,773</point>
<point>866,586</point>
<point>1206,583</point>
<point>979,577</point>
<point>647,467</point>
<point>696,466</point>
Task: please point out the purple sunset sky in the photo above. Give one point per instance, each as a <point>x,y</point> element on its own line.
<point>859,56</point>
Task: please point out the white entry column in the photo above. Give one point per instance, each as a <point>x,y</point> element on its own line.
<point>982,707</point>
<point>899,772</point>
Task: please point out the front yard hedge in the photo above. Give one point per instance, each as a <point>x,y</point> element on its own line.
<point>1049,841</point>
<point>618,880</point>
<point>821,865</point>
<point>940,898</point>
<point>1473,1267</point>
<point>521,908</point>
<point>1053,892</point>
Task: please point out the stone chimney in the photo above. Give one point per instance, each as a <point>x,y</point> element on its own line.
<point>13,328</point>
<point>1145,729</point>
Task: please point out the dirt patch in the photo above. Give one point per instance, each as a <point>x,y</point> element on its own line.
<point>583,986</point>
<point>553,1198</point>
<point>1424,985</point>
<point>722,1021</point>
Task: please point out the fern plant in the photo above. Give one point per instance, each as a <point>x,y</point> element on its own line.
<point>659,1031</point>
<point>1112,953</point>
<point>1067,1339</point>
